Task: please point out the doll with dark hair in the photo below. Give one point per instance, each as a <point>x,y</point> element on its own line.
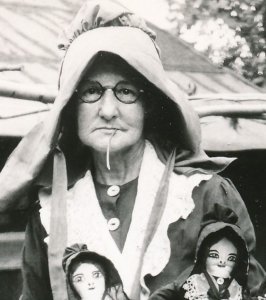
<point>221,268</point>
<point>90,276</point>
<point>221,263</point>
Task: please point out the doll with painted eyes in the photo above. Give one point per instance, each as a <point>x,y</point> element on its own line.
<point>90,276</point>
<point>221,263</point>
<point>218,264</point>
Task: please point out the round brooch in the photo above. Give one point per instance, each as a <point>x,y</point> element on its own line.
<point>113,224</point>
<point>113,190</point>
<point>220,280</point>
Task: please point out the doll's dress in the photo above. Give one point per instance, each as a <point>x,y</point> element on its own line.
<point>197,287</point>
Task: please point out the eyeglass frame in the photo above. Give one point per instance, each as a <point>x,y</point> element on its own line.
<point>105,88</point>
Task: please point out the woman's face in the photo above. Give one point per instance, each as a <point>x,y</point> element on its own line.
<point>88,281</point>
<point>108,117</point>
<point>221,258</point>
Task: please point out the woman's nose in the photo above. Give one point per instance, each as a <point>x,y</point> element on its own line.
<point>108,105</point>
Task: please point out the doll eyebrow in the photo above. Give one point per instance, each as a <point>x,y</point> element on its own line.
<point>79,274</point>
<point>213,251</point>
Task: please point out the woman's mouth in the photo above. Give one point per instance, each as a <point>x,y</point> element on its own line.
<point>107,128</point>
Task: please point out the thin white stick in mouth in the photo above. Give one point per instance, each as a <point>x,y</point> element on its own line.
<point>108,151</point>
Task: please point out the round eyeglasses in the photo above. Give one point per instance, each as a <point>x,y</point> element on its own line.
<point>125,92</point>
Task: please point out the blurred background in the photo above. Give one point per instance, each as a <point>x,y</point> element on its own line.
<point>214,50</point>
<point>230,33</point>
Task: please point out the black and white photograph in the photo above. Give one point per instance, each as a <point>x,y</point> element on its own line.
<point>133,150</point>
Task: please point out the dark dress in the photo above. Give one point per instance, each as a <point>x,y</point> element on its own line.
<point>182,234</point>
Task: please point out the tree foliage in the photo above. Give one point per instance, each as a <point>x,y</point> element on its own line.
<point>231,32</point>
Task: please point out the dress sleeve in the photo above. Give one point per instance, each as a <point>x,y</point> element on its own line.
<point>174,290</point>
<point>168,292</point>
<point>35,274</point>
<point>225,193</point>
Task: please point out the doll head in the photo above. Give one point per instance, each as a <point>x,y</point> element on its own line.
<point>88,279</point>
<point>221,252</point>
<point>90,276</point>
<point>221,248</point>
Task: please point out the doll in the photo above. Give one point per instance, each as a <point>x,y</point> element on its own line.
<point>90,276</point>
<point>221,263</point>
<point>216,268</point>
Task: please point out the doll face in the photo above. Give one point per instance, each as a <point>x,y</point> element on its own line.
<point>221,258</point>
<point>89,281</point>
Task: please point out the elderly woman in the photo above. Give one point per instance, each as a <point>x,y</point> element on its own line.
<point>118,164</point>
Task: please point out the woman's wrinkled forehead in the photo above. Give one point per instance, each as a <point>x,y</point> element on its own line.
<point>111,63</point>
